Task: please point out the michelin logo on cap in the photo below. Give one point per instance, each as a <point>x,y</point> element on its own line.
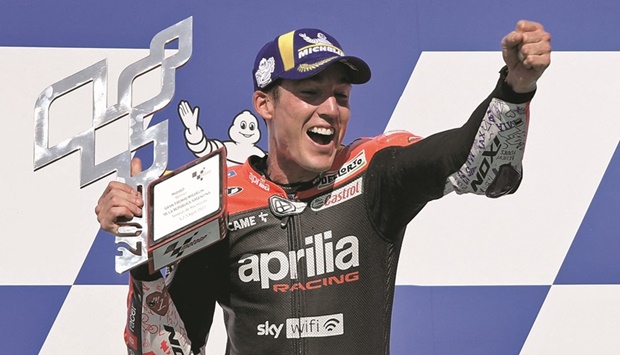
<point>319,44</point>
<point>264,71</point>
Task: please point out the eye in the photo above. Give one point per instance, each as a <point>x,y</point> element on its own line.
<point>243,125</point>
<point>342,97</point>
<point>309,92</point>
<point>252,126</point>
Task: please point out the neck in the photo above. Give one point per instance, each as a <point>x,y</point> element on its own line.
<point>283,174</point>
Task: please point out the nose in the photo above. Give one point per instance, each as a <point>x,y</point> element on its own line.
<point>329,108</point>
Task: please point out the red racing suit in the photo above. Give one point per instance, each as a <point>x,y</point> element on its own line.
<point>313,271</point>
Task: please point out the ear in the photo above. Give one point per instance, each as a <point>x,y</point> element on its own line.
<point>263,104</point>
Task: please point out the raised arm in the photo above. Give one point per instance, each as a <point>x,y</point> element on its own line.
<point>482,157</point>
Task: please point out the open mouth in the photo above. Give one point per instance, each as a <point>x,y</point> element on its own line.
<point>322,136</point>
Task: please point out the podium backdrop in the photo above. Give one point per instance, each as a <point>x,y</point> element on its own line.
<point>537,272</point>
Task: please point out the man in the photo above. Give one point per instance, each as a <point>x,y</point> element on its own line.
<point>314,271</point>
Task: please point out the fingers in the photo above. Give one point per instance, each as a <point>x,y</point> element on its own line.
<point>527,53</point>
<point>184,108</point>
<point>536,46</point>
<point>512,40</point>
<point>528,26</point>
<point>136,166</point>
<point>189,116</point>
<point>118,202</point>
<point>528,44</point>
<point>536,56</point>
<point>185,112</point>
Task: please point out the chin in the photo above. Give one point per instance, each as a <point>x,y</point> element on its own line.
<point>321,165</point>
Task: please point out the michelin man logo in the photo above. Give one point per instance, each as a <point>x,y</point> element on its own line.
<point>264,71</point>
<point>244,133</point>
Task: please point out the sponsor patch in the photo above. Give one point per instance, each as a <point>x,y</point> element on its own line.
<point>233,190</point>
<point>347,169</point>
<point>259,181</point>
<point>242,223</point>
<point>322,257</point>
<point>265,69</point>
<point>304,327</point>
<point>338,196</point>
<point>315,327</point>
<point>281,207</point>
<point>158,302</point>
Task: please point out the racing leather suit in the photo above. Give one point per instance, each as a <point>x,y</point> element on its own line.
<point>313,271</point>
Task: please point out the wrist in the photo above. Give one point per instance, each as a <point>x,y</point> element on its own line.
<point>504,91</point>
<point>518,85</point>
<point>521,89</point>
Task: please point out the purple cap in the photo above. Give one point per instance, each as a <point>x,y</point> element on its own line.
<point>301,54</point>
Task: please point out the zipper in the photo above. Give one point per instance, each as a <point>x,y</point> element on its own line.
<point>292,224</point>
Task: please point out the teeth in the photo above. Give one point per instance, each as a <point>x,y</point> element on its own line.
<point>323,131</point>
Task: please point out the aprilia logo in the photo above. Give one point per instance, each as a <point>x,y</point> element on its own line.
<point>320,256</point>
<point>259,181</point>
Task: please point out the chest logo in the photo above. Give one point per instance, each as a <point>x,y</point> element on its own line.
<point>338,196</point>
<point>346,170</point>
<point>281,207</point>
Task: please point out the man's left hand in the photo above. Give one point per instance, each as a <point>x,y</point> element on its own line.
<point>527,53</point>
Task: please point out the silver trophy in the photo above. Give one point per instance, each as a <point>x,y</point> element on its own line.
<point>133,235</point>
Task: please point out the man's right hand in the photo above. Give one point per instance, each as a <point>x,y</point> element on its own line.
<point>119,202</point>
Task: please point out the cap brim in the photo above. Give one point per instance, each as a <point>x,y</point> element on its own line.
<point>358,70</point>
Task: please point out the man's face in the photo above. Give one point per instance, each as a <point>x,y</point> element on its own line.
<point>308,123</point>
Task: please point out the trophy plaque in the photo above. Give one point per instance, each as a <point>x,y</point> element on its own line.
<point>187,210</point>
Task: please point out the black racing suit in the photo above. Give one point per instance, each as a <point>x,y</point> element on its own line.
<point>313,272</point>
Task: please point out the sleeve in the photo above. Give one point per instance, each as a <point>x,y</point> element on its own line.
<point>153,323</point>
<point>493,166</point>
<point>171,315</point>
<point>483,156</point>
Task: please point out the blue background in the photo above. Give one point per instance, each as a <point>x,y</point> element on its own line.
<point>389,35</point>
